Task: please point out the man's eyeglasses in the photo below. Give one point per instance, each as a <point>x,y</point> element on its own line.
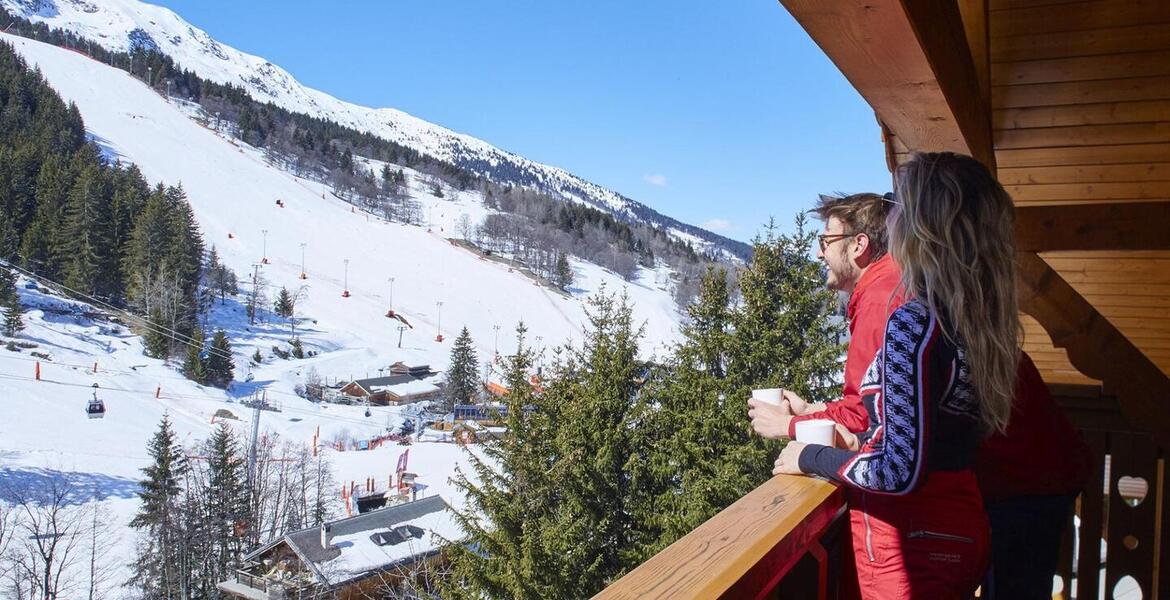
<point>825,239</point>
<point>891,198</point>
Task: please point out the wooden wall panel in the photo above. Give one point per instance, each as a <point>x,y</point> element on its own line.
<point>1080,92</point>
<point>1115,40</point>
<point>1082,16</point>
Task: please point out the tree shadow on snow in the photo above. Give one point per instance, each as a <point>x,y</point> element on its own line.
<point>40,485</point>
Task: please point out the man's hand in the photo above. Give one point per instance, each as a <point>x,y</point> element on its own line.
<point>788,463</point>
<point>768,420</point>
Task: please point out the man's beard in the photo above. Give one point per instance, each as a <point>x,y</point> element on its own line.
<point>842,278</point>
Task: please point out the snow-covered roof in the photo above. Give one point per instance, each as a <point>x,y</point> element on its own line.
<point>408,388</point>
<point>353,551</point>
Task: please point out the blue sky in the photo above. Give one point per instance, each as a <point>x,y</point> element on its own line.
<point>720,114</point>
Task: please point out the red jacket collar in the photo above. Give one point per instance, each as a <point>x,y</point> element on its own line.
<point>883,272</point>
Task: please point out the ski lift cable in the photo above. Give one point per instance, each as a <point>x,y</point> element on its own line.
<point>272,392</point>
<point>142,322</point>
<point>337,418</point>
<point>171,333</point>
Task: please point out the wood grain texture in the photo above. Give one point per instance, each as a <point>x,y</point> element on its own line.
<point>708,561</point>
<point>1094,42</point>
<point>1095,346</point>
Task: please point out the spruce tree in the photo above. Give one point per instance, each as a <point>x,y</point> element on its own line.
<point>508,499</point>
<point>13,324</point>
<point>193,365</point>
<point>693,452</point>
<point>226,502</point>
<point>156,339</point>
<point>785,333</point>
<point>462,383</point>
<point>284,303</point>
<point>554,520</point>
<point>157,571</point>
<point>86,234</point>
<point>219,361</point>
<point>599,387</point>
<point>563,272</point>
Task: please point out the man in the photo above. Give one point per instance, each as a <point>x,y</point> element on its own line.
<point>853,248</point>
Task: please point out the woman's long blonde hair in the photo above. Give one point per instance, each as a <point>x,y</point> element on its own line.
<point>955,243</point>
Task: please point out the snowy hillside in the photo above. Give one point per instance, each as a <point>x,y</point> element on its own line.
<point>233,191</point>
<point>124,24</point>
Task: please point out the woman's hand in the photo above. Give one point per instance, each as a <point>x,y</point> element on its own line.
<point>768,420</point>
<point>846,439</point>
<point>788,463</point>
<point>799,406</point>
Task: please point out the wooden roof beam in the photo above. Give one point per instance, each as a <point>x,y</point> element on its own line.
<point>1114,226</point>
<point>910,60</point>
<point>1095,346</point>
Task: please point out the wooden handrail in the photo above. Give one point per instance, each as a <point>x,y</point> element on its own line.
<point>774,525</point>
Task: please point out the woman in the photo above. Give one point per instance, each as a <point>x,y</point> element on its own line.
<point>943,380</point>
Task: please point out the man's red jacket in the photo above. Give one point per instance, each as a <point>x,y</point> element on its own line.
<point>1039,454</point>
<point>873,300</point>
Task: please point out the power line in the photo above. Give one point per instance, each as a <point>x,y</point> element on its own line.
<point>145,323</point>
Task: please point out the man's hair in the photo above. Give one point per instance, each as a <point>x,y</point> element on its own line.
<point>859,213</point>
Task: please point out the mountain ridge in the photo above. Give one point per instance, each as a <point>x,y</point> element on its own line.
<point>123,25</point>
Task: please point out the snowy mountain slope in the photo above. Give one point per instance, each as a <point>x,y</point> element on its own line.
<point>233,191</point>
<point>124,24</point>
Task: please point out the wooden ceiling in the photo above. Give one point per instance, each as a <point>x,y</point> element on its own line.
<point>1070,101</point>
<point>1080,114</point>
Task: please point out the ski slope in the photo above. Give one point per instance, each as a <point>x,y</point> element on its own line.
<point>43,427</point>
<point>122,25</point>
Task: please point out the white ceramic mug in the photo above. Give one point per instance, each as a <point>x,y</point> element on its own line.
<point>769,395</point>
<point>816,431</point>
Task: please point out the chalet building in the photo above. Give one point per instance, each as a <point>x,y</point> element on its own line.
<point>404,385</point>
<point>367,556</point>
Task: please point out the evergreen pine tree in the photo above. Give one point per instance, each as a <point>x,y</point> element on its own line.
<point>193,365</point>
<point>462,381</point>
<point>298,349</point>
<point>512,489</point>
<point>157,571</point>
<point>554,520</point>
<point>156,339</point>
<point>7,287</point>
<point>226,502</point>
<point>563,273</point>
<point>693,452</point>
<point>10,301</point>
<point>597,392</point>
<point>86,235</point>
<point>284,303</point>
<point>219,361</point>
<point>785,334</point>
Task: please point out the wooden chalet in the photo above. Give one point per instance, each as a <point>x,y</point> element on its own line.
<point>367,556</point>
<point>404,385</point>
<point>1068,101</point>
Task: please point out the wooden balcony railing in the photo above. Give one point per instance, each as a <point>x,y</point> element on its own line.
<point>789,537</point>
<point>780,540</point>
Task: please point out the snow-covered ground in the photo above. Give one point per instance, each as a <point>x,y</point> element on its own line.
<point>233,191</point>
